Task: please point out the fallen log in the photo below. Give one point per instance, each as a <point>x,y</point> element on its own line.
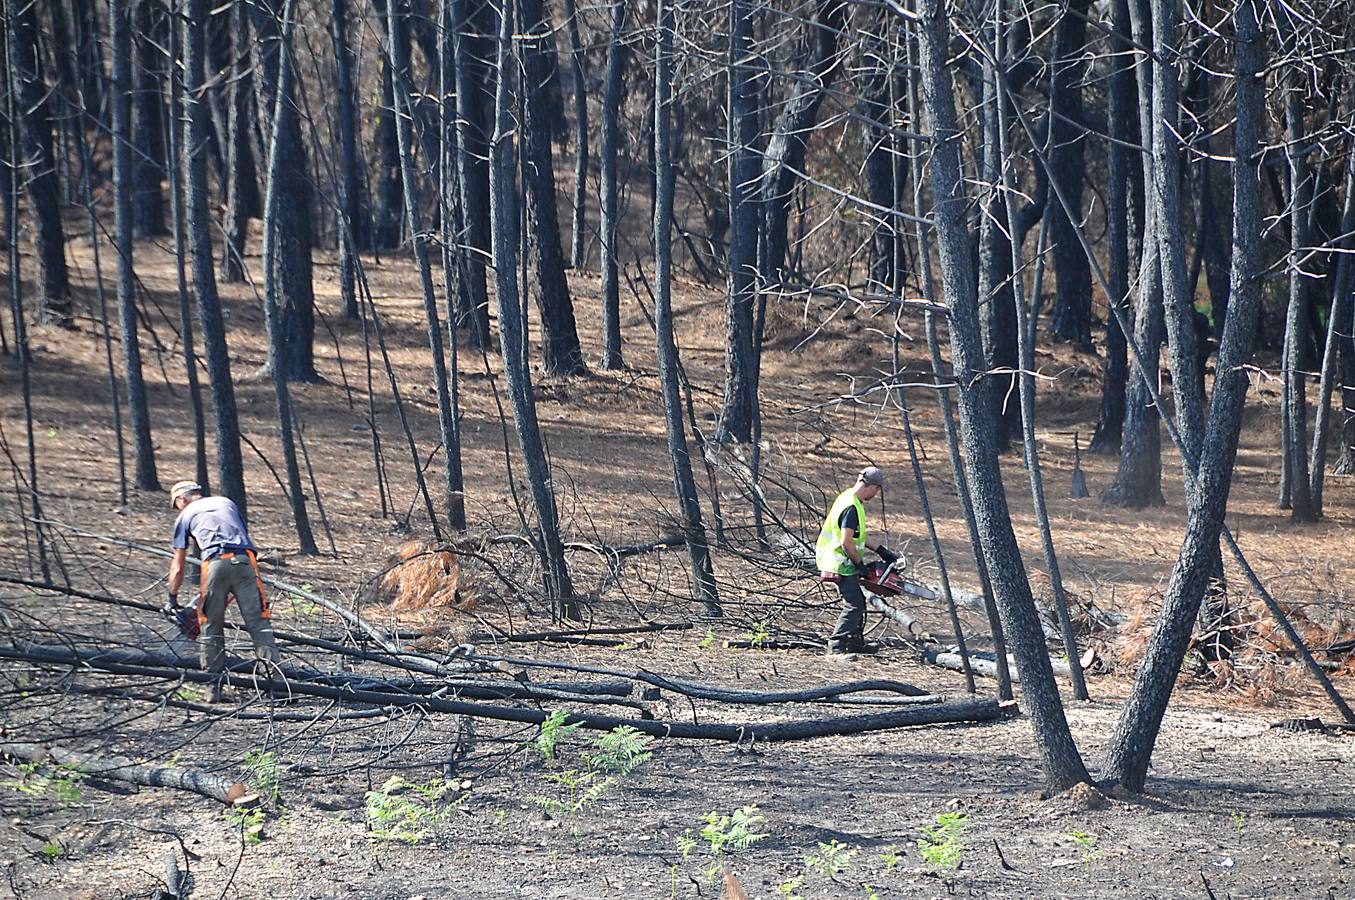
<point>570,634</point>
<point>803,695</point>
<point>791,730</point>
<point>118,768</point>
<point>986,664</point>
<point>610,692</point>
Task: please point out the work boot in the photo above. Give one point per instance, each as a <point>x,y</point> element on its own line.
<point>866,648</point>
<point>839,655</point>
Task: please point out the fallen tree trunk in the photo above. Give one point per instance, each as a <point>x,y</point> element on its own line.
<point>118,768</point>
<point>965,711</point>
<point>986,664</point>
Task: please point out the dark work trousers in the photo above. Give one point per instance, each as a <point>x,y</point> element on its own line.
<point>849,633</point>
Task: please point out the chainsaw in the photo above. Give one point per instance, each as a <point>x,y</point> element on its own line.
<point>186,617</point>
<point>883,580</point>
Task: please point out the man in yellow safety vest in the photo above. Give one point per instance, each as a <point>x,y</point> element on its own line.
<point>838,555</point>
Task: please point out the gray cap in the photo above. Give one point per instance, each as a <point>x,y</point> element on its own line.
<point>872,475</point>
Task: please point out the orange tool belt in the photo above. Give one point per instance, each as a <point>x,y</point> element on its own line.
<point>202,588</point>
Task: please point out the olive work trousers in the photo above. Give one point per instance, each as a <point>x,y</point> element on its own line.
<point>849,633</point>
<point>223,578</point>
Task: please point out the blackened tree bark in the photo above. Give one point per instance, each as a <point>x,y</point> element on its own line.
<point>882,163</point>
<point>579,72</point>
<point>453,255</point>
<point>504,212</point>
<point>559,336</point>
<point>703,577</point>
<point>177,210</point>
<point>997,300</point>
<point>474,102</point>
<point>1294,401</point>
<point>1062,764</point>
<point>34,115</point>
<point>120,32</point>
<point>1165,206</point>
<point>389,214</point>
<point>295,352</point>
<point>354,224</point>
<point>89,52</point>
<point>736,417</point>
<point>1073,288</point>
<point>241,174</point>
<point>400,95</point>
<point>609,202</point>
<point>1338,324</point>
<point>1122,119</point>
<point>230,468</point>
<point>1131,745</point>
<point>1138,481</point>
<point>148,163</point>
<point>283,112</point>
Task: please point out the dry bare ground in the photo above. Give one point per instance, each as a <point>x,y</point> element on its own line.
<point>1235,807</point>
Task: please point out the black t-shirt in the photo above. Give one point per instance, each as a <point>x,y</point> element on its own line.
<point>849,519</point>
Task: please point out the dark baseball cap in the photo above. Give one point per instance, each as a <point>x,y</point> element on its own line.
<point>872,475</point>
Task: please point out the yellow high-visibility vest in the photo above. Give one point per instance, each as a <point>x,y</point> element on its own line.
<point>828,552</point>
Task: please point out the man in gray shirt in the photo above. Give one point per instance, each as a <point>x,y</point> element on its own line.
<point>228,568</point>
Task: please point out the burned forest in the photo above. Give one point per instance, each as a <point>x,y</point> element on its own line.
<point>656,449</point>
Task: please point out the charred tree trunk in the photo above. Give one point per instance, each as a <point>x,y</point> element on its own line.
<point>1063,766</point>
<point>736,417</point>
<point>389,214</point>
<point>474,101</point>
<point>230,468</point>
<point>1166,208</point>
<point>143,450</point>
<point>1131,745</point>
<point>504,210</point>
<point>33,110</point>
<point>580,75</point>
<point>400,95</point>
<point>559,336</point>
<point>1073,288</point>
<point>1138,481</point>
<point>283,112</point>
<point>1121,163</point>
<point>453,256</point>
<point>703,577</point>
<point>294,353</point>
<point>610,200</point>
<point>1294,401</point>
<point>997,300</point>
<point>241,176</point>
<point>148,164</point>
<point>1338,325</point>
<point>354,223</point>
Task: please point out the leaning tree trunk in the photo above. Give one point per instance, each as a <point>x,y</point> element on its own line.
<point>559,336</point>
<point>143,449</point>
<point>736,416</point>
<point>694,530</point>
<point>474,101</point>
<point>1120,113</point>
<point>610,200</point>
<point>35,147</point>
<point>1131,746</point>
<point>400,96</point>
<point>283,112</point>
<point>1294,402</point>
<point>295,352</point>
<point>504,214</point>
<point>230,468</point>
<point>1062,764</point>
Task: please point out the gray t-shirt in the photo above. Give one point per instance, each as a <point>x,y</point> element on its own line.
<point>215,523</point>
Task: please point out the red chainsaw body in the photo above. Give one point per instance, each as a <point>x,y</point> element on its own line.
<point>880,579</point>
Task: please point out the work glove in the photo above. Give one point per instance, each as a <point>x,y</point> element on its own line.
<point>187,620</point>
<point>888,555</point>
<point>171,606</point>
<point>862,570</point>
